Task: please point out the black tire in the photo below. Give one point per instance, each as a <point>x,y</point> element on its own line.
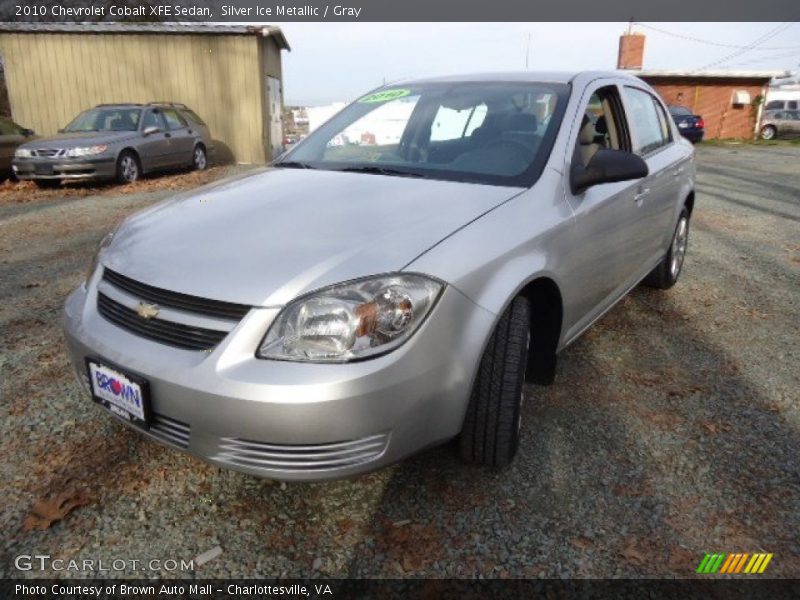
<point>47,184</point>
<point>490,435</point>
<point>199,158</point>
<point>128,167</point>
<point>665,275</point>
<point>768,132</point>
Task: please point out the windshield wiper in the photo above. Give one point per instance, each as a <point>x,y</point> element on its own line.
<point>293,164</point>
<point>380,171</point>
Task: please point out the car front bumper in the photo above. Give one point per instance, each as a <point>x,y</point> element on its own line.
<point>103,167</point>
<point>291,420</point>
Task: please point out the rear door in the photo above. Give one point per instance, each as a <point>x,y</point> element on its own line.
<point>657,194</point>
<point>793,122</point>
<point>181,139</point>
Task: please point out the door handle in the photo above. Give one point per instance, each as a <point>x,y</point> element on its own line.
<point>677,171</point>
<point>641,193</point>
<point>167,135</point>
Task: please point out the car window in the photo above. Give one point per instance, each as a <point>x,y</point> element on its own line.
<point>173,119</point>
<point>647,121</point>
<point>153,118</point>
<point>193,116</point>
<point>792,104</point>
<point>774,105</point>
<point>680,111</point>
<point>106,119</point>
<point>602,125</point>
<point>490,132</point>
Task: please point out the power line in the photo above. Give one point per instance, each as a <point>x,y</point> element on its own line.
<point>709,42</point>
<point>757,42</point>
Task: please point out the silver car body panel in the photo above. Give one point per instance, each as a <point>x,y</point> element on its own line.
<point>240,241</point>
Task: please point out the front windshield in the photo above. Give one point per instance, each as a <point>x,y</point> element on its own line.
<point>106,119</point>
<point>492,132</point>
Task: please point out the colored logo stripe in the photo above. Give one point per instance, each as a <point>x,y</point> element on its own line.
<point>734,563</point>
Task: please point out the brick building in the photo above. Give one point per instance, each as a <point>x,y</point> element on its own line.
<point>730,102</point>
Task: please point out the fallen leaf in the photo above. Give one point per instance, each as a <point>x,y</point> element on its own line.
<point>48,511</point>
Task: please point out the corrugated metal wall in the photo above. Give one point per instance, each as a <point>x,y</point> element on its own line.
<point>52,77</point>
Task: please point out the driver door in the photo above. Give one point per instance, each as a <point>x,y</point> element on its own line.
<point>607,243</point>
<point>154,149</point>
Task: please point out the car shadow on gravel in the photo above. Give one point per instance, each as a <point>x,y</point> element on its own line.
<point>621,472</point>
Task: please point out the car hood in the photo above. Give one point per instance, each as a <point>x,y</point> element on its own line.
<point>270,236</point>
<point>87,138</point>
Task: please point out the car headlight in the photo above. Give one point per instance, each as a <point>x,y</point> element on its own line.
<point>86,151</point>
<point>22,153</point>
<point>352,320</point>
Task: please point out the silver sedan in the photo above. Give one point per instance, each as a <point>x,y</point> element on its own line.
<point>392,281</point>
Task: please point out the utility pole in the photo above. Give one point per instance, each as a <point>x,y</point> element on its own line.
<point>528,51</point>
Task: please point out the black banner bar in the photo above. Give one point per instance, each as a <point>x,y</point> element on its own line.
<point>274,11</point>
<point>408,589</point>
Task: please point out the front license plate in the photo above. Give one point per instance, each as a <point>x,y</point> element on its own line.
<point>43,169</point>
<point>125,395</point>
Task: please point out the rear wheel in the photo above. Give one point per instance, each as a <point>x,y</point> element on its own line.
<point>666,274</point>
<point>768,132</point>
<point>47,184</point>
<point>128,169</point>
<point>490,435</point>
<point>199,158</point>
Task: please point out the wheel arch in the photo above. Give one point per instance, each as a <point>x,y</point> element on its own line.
<point>547,317</point>
<point>689,202</point>
<point>135,153</point>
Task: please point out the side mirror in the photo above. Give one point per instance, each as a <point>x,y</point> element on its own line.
<point>606,166</point>
<point>150,130</point>
<point>28,132</point>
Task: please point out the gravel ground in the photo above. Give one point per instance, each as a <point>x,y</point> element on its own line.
<point>672,430</point>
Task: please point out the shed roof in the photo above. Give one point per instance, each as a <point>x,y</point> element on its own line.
<point>138,28</point>
<point>717,74</point>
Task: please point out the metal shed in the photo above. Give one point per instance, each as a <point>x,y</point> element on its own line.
<point>230,75</point>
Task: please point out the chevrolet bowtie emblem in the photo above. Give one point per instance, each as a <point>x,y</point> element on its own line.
<point>146,310</point>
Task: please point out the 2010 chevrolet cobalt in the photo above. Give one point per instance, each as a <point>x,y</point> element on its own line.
<point>393,280</point>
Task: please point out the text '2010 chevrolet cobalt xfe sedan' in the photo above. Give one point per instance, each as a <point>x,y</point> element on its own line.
<point>393,280</point>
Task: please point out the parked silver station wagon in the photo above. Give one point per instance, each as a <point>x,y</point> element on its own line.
<point>393,280</point>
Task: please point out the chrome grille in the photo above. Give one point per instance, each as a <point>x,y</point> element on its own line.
<point>166,332</point>
<point>193,304</point>
<point>313,457</point>
<point>48,152</point>
<point>170,430</point>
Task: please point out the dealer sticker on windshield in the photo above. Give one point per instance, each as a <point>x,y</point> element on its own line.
<point>384,96</point>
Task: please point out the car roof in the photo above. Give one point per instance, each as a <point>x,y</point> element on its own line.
<point>524,76</point>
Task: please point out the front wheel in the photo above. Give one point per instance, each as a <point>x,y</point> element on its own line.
<point>768,132</point>
<point>490,435</point>
<point>199,158</point>
<point>666,274</point>
<point>128,169</point>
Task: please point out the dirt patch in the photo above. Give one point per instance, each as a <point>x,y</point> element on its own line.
<point>23,192</point>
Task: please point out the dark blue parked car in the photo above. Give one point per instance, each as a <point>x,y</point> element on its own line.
<point>691,126</point>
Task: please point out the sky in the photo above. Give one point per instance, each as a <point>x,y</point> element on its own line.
<point>332,62</point>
